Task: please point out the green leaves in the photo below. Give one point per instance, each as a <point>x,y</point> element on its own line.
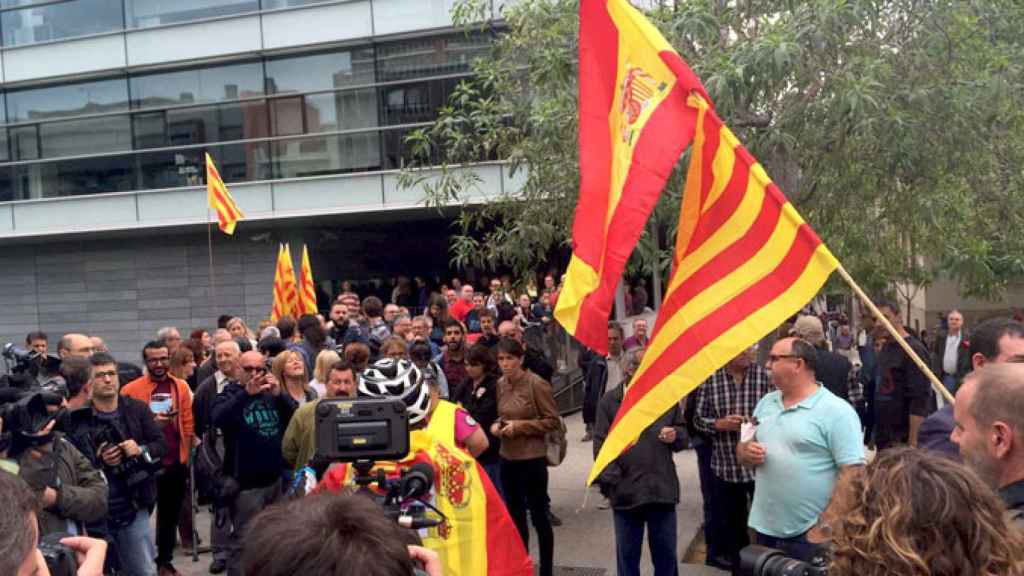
<point>895,126</point>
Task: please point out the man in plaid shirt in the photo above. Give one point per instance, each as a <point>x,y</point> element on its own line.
<point>724,402</point>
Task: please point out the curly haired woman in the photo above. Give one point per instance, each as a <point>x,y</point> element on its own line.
<point>912,513</point>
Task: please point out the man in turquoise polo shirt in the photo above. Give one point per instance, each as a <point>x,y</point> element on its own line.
<point>803,438</point>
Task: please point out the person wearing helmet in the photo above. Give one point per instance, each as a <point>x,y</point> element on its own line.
<point>477,536</point>
<point>390,378</point>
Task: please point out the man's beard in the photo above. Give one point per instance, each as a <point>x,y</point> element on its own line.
<point>985,466</point>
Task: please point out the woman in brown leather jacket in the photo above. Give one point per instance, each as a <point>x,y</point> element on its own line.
<point>526,413</point>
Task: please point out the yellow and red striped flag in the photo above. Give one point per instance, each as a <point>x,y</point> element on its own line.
<point>634,124</point>
<point>307,290</point>
<point>220,199</point>
<point>745,261</point>
<point>286,299</point>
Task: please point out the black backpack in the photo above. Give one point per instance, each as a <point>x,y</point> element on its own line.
<point>213,484</point>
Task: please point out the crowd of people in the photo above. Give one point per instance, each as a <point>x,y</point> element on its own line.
<point>238,406</point>
<point>783,437</point>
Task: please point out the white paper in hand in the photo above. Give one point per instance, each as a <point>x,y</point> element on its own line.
<point>747,431</point>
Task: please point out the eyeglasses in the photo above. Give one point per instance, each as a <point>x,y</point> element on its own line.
<point>254,369</point>
<point>772,358</point>
<point>163,360</point>
<point>108,374</point>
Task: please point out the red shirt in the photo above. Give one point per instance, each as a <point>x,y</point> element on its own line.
<point>460,309</point>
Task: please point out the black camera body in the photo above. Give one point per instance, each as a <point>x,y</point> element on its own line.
<point>60,560</point>
<point>132,471</point>
<point>21,361</point>
<point>763,561</point>
<point>348,429</point>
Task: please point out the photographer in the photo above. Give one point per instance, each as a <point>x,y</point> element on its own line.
<point>319,533</point>
<point>253,415</point>
<point>19,536</point>
<point>70,490</point>
<point>121,437</point>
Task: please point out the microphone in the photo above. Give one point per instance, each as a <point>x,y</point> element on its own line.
<point>416,523</point>
<point>417,481</point>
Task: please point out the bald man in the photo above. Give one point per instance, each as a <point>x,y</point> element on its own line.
<point>989,414</point>
<point>75,344</point>
<point>534,360</point>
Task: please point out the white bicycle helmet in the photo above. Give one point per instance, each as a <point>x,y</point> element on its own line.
<point>390,378</point>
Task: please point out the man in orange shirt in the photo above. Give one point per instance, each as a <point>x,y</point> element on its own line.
<point>171,402</point>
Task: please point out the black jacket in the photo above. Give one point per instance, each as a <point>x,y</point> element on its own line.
<point>833,371</point>
<point>963,356</point>
<point>595,382</point>
<point>136,422</point>
<point>646,473</point>
<point>535,362</point>
<point>482,405</point>
<point>202,403</point>
<point>1013,497</point>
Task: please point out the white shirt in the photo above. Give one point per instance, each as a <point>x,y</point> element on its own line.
<point>222,380</point>
<point>949,358</point>
<point>615,372</point>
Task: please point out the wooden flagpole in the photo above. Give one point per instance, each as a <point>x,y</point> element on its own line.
<point>936,383</point>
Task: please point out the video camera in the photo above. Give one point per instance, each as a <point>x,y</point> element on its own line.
<point>25,411</point>
<point>764,561</point>
<point>364,431</point>
<point>132,470</point>
<point>20,361</point>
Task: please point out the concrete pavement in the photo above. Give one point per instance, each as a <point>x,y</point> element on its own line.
<point>586,540</point>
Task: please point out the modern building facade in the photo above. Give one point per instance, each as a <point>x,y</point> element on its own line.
<point>107,108</point>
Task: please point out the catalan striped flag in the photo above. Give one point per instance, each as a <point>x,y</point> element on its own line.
<point>286,298</point>
<point>634,125</point>
<point>307,290</point>
<point>220,199</point>
<point>745,261</point>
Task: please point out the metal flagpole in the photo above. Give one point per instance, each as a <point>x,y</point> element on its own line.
<point>209,244</point>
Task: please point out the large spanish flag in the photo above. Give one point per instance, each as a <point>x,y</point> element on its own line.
<point>307,290</point>
<point>633,126</point>
<point>478,537</point>
<point>220,199</point>
<point>745,261</point>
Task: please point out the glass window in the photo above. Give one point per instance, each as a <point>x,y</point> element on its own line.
<point>61,20</point>
<point>320,71</point>
<point>416,102</point>
<point>67,100</point>
<point>396,151</point>
<point>88,136</point>
<point>178,168</point>
<point>432,56</point>
<point>217,84</point>
<point>322,155</point>
<point>146,13</point>
<point>201,124</point>
<point>74,177</point>
<point>25,142</point>
<point>347,110</point>
<point>149,130</point>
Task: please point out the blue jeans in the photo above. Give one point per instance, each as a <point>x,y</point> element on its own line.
<point>660,520</point>
<point>795,547</point>
<point>494,473</point>
<point>135,546</point>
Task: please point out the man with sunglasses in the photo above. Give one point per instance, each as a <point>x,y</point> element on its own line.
<point>253,414</point>
<point>801,437</point>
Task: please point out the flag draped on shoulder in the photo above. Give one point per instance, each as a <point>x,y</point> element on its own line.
<point>633,126</point>
<point>286,299</point>
<point>478,537</point>
<point>745,261</point>
<point>307,290</point>
<point>220,199</point>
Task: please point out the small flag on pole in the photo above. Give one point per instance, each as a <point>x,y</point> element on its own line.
<point>307,290</point>
<point>220,199</point>
<point>285,296</point>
